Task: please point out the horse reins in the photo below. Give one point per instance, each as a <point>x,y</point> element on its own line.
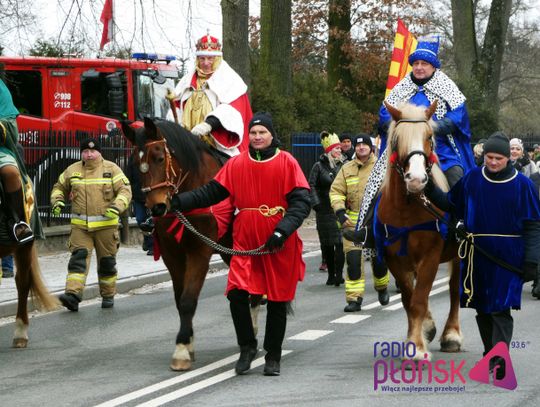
<point>170,173</point>
<point>428,206</point>
<point>429,160</point>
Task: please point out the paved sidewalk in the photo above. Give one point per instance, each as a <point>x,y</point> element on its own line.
<point>135,269</point>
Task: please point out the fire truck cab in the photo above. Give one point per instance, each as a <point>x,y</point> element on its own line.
<point>72,94</point>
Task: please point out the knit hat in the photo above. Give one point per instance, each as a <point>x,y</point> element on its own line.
<point>329,141</point>
<point>262,119</point>
<point>363,138</point>
<point>345,136</point>
<point>427,50</point>
<point>497,143</point>
<point>516,142</point>
<point>90,143</point>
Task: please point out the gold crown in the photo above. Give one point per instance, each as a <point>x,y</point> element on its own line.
<point>329,141</point>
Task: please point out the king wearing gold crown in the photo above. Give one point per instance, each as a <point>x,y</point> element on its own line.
<point>211,100</point>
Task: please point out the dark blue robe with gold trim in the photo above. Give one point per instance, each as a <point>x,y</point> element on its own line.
<point>494,208</point>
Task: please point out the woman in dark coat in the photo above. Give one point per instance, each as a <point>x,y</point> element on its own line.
<point>320,179</point>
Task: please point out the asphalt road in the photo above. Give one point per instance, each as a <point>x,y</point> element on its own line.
<point>121,356</point>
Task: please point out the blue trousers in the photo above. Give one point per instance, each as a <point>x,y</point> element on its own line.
<point>141,214</point>
<point>7,263</point>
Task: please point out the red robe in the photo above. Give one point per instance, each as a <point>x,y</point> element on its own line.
<point>252,184</point>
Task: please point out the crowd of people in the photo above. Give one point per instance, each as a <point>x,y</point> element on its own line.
<point>493,182</point>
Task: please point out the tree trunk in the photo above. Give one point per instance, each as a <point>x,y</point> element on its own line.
<point>339,43</point>
<point>276,27</point>
<point>465,46</point>
<point>235,36</point>
<point>493,49</point>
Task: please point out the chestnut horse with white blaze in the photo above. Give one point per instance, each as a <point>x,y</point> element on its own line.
<point>172,160</point>
<point>413,246</point>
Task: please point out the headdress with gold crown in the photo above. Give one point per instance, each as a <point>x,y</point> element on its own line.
<point>208,46</point>
<point>329,141</point>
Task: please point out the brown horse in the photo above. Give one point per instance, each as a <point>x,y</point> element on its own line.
<point>173,160</point>
<point>411,162</point>
<point>28,281</point>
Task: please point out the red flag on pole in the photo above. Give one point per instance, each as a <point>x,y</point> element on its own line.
<point>107,20</point>
<point>404,45</point>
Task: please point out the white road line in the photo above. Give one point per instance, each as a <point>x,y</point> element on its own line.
<point>374,305</point>
<point>192,388</point>
<point>350,319</point>
<point>169,382</point>
<point>310,335</point>
<point>400,305</point>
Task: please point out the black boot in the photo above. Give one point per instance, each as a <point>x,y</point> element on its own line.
<point>354,306</point>
<point>384,297</point>
<point>485,327</point>
<point>70,301</point>
<point>243,326</point>
<point>503,327</point>
<point>22,232</point>
<point>276,324</point>
<point>536,283</point>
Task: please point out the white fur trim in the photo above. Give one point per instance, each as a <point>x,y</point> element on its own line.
<point>230,119</point>
<point>209,53</point>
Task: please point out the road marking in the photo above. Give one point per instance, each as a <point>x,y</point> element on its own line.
<point>192,388</point>
<point>350,319</point>
<point>374,305</point>
<point>169,382</point>
<point>310,335</point>
<point>400,305</point>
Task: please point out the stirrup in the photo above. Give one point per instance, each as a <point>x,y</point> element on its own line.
<point>147,227</point>
<point>26,236</point>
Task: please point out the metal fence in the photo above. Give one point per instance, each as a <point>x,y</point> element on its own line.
<point>48,153</point>
<point>306,148</point>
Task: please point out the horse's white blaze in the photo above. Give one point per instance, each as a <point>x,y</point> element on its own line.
<point>21,330</point>
<point>416,176</point>
<point>181,352</point>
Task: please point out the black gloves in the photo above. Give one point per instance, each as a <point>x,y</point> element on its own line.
<point>176,203</point>
<point>275,241</point>
<point>342,216</point>
<point>356,236</point>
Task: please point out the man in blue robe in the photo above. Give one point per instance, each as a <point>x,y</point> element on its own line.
<point>496,204</point>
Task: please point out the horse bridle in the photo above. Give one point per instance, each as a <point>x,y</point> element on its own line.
<point>170,173</point>
<point>429,160</point>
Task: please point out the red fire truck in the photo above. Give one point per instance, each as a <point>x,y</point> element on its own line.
<point>64,100</point>
<point>72,94</point>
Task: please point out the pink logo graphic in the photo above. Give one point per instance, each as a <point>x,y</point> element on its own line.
<point>498,364</point>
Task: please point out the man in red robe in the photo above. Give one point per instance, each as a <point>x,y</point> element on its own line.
<point>271,193</point>
<point>211,100</point>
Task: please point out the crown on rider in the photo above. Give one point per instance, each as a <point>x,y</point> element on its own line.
<point>208,46</point>
<point>329,141</point>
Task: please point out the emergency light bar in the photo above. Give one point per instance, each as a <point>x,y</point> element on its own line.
<point>153,57</point>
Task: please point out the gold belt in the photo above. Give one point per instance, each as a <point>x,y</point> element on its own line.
<point>265,210</point>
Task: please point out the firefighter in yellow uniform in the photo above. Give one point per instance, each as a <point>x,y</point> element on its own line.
<point>99,192</point>
<point>345,197</point>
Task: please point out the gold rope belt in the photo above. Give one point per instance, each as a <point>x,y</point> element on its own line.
<point>466,249</point>
<point>265,210</point>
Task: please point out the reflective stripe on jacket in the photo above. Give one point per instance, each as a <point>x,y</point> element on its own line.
<point>347,189</point>
<point>92,188</point>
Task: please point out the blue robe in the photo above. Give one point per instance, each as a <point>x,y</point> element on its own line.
<point>489,207</point>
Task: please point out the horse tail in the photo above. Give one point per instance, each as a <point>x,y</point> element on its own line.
<point>46,301</point>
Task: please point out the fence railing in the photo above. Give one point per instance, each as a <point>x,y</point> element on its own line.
<point>48,153</point>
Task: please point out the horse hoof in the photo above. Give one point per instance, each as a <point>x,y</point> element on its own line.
<point>450,346</point>
<point>20,343</point>
<point>179,365</point>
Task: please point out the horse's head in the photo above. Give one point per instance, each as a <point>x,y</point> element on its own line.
<point>410,139</point>
<point>160,175</point>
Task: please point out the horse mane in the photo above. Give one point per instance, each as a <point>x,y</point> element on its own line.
<point>402,138</point>
<point>184,146</point>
